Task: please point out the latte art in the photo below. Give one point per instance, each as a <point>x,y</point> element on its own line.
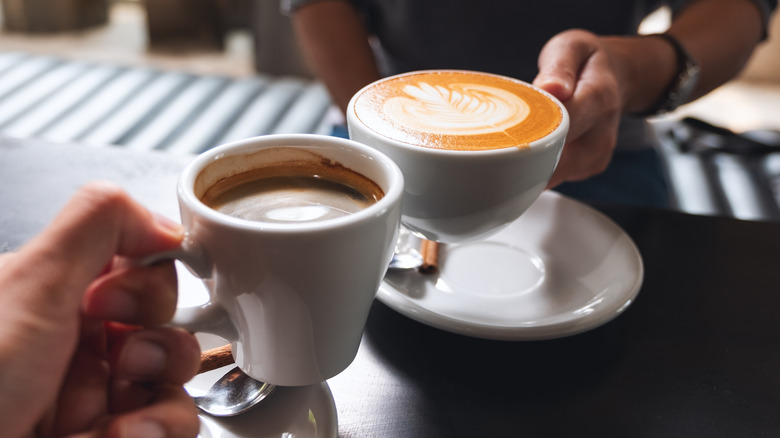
<point>457,110</point>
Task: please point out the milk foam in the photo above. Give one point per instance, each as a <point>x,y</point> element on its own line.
<point>456,109</point>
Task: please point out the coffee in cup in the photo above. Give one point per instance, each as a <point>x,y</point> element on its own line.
<point>293,192</point>
<point>476,149</point>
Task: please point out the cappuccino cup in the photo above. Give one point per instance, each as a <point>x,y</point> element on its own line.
<point>476,149</point>
<point>291,235</point>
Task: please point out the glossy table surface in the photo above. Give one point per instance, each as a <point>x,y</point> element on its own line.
<point>697,354</point>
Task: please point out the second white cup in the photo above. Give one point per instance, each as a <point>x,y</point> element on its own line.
<point>476,149</point>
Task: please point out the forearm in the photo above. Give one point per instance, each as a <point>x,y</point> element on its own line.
<point>719,34</point>
<point>721,37</point>
<point>335,43</point>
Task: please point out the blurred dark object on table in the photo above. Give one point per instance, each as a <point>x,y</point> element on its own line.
<point>719,172</point>
<point>184,23</point>
<point>47,16</point>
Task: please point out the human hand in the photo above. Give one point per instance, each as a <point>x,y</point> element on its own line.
<point>82,349</point>
<point>577,67</point>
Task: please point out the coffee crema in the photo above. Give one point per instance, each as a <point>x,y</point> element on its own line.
<point>293,193</point>
<point>457,110</point>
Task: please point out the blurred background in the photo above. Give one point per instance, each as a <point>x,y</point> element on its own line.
<point>174,75</point>
<point>235,37</point>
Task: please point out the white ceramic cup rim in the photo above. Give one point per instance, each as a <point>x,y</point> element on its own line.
<point>393,190</point>
<point>561,130</point>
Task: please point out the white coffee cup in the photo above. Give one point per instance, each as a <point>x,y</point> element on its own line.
<point>457,195</point>
<point>292,298</point>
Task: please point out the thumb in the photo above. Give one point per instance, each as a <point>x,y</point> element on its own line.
<point>99,221</point>
<point>560,63</point>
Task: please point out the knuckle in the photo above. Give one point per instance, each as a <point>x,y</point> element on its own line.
<point>101,194</point>
<point>605,94</point>
<point>579,36</point>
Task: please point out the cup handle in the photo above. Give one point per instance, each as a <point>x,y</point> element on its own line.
<point>209,317</point>
<point>189,253</point>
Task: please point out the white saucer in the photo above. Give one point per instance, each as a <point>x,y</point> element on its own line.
<point>561,269</point>
<point>300,412</point>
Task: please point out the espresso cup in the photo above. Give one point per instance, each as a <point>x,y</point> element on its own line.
<point>476,149</point>
<point>291,286</point>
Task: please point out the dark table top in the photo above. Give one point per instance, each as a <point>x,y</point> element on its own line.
<point>697,354</point>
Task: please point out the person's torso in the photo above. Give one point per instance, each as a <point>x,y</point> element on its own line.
<point>503,37</point>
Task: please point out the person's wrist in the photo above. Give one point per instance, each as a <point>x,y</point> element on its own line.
<point>644,68</point>
<point>683,83</point>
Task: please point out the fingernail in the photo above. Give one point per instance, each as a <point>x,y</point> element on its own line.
<point>143,429</point>
<point>143,358</point>
<point>168,224</point>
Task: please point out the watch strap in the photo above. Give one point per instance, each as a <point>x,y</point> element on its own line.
<point>681,88</point>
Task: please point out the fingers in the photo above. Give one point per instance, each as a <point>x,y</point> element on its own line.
<point>149,368</point>
<point>575,66</point>
<point>588,156</point>
<point>561,61</point>
<point>171,414</point>
<point>134,295</point>
<point>140,363</point>
<point>578,62</point>
<point>44,284</point>
<point>155,355</point>
<point>595,115</point>
<point>99,221</point>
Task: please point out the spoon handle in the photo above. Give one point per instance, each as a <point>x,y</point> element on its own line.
<point>215,358</point>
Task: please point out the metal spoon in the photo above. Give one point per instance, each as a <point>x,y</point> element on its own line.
<point>406,260</point>
<point>232,394</point>
<point>406,254</point>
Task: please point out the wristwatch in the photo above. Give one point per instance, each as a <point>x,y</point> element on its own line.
<point>681,88</point>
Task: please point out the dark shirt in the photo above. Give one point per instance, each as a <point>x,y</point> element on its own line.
<point>503,37</point>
